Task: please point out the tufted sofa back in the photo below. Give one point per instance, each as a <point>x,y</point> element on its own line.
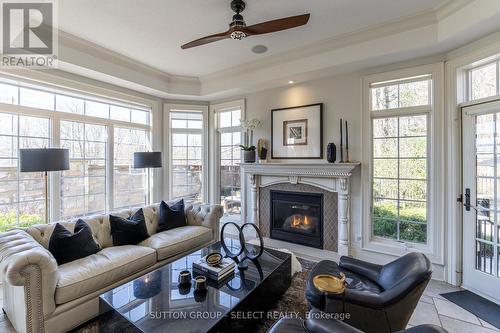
<point>101,229</point>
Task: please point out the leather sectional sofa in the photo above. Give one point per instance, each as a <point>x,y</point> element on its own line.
<point>40,296</point>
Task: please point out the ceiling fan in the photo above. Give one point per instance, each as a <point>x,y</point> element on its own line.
<point>239,30</point>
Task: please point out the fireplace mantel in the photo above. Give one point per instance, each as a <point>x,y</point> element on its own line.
<point>333,177</point>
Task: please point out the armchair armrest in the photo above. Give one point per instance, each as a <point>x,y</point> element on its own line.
<point>205,215</point>
<point>320,322</point>
<point>360,267</point>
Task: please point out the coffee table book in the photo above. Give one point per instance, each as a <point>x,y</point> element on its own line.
<point>214,272</point>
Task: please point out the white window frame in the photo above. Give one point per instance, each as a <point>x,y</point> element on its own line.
<point>468,79</point>
<point>215,154</point>
<point>56,117</point>
<point>435,131</point>
<point>167,139</point>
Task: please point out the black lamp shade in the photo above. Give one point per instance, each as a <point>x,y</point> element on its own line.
<point>43,159</point>
<point>147,159</point>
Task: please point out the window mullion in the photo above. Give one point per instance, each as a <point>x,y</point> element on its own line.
<point>110,167</point>
<point>55,193</point>
<point>18,172</point>
<point>399,179</point>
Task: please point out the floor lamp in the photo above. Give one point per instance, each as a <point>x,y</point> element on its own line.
<point>44,160</point>
<point>147,160</point>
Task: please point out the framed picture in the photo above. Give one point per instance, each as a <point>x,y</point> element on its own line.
<point>297,132</point>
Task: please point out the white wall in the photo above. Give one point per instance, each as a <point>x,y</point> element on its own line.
<point>341,96</point>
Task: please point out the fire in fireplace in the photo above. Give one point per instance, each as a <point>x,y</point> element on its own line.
<point>300,222</point>
<point>297,217</point>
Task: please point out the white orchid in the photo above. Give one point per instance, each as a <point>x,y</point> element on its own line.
<point>249,126</point>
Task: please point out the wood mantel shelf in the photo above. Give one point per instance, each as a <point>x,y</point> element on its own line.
<point>333,177</point>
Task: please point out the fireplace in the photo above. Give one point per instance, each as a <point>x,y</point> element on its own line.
<point>297,217</point>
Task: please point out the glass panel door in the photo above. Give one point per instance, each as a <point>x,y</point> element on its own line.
<point>481,199</point>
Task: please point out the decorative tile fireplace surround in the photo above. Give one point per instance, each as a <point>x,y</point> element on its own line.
<point>325,180</point>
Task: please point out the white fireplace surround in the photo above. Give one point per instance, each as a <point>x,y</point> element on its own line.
<point>332,177</point>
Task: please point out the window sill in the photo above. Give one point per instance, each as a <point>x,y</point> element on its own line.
<point>397,249</point>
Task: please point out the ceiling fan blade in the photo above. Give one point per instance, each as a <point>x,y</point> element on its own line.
<point>277,25</point>
<point>207,39</point>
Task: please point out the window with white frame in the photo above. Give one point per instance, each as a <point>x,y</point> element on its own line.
<point>186,145</point>
<point>22,195</point>
<point>400,114</point>
<point>229,131</point>
<point>131,186</point>
<point>83,186</point>
<point>93,129</point>
<point>484,80</point>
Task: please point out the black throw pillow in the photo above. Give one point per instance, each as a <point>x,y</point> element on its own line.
<point>129,231</point>
<point>171,217</point>
<point>66,246</point>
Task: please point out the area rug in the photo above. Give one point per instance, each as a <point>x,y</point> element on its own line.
<point>477,305</point>
<point>294,299</point>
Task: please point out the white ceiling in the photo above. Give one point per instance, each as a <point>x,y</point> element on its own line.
<point>151,31</point>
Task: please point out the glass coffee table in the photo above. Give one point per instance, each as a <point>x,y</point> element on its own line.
<point>155,303</point>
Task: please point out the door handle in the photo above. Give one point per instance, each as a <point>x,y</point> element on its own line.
<point>467,199</point>
<point>467,203</point>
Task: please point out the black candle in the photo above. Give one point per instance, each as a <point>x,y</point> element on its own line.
<point>346,136</point>
<point>341,138</point>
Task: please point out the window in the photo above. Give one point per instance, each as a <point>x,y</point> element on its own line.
<point>484,80</point>
<point>230,159</point>
<point>22,195</point>
<point>186,154</point>
<point>131,186</point>
<point>32,96</point>
<point>400,121</point>
<point>101,135</point>
<point>83,187</point>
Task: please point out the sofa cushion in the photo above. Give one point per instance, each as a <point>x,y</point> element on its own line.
<point>66,246</point>
<point>128,231</point>
<point>172,216</point>
<point>86,275</point>
<point>171,242</point>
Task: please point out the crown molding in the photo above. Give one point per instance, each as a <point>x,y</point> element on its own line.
<point>449,7</point>
<point>83,57</point>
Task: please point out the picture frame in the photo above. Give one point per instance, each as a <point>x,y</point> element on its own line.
<point>297,132</point>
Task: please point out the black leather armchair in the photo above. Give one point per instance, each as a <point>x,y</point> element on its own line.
<point>316,324</point>
<point>378,298</point>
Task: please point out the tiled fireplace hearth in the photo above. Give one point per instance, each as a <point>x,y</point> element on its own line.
<point>306,204</point>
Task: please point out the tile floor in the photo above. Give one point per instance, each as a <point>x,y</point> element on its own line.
<point>432,309</point>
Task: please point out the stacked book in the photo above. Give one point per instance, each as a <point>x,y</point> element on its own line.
<point>219,272</point>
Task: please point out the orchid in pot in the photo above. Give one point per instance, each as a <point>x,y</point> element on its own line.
<point>248,148</point>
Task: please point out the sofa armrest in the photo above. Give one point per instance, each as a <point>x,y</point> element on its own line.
<point>363,268</point>
<point>205,215</point>
<point>26,263</point>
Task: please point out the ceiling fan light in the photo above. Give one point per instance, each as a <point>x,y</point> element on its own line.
<point>238,35</point>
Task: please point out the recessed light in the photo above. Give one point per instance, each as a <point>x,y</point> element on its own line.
<point>291,82</point>
<point>259,49</point>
